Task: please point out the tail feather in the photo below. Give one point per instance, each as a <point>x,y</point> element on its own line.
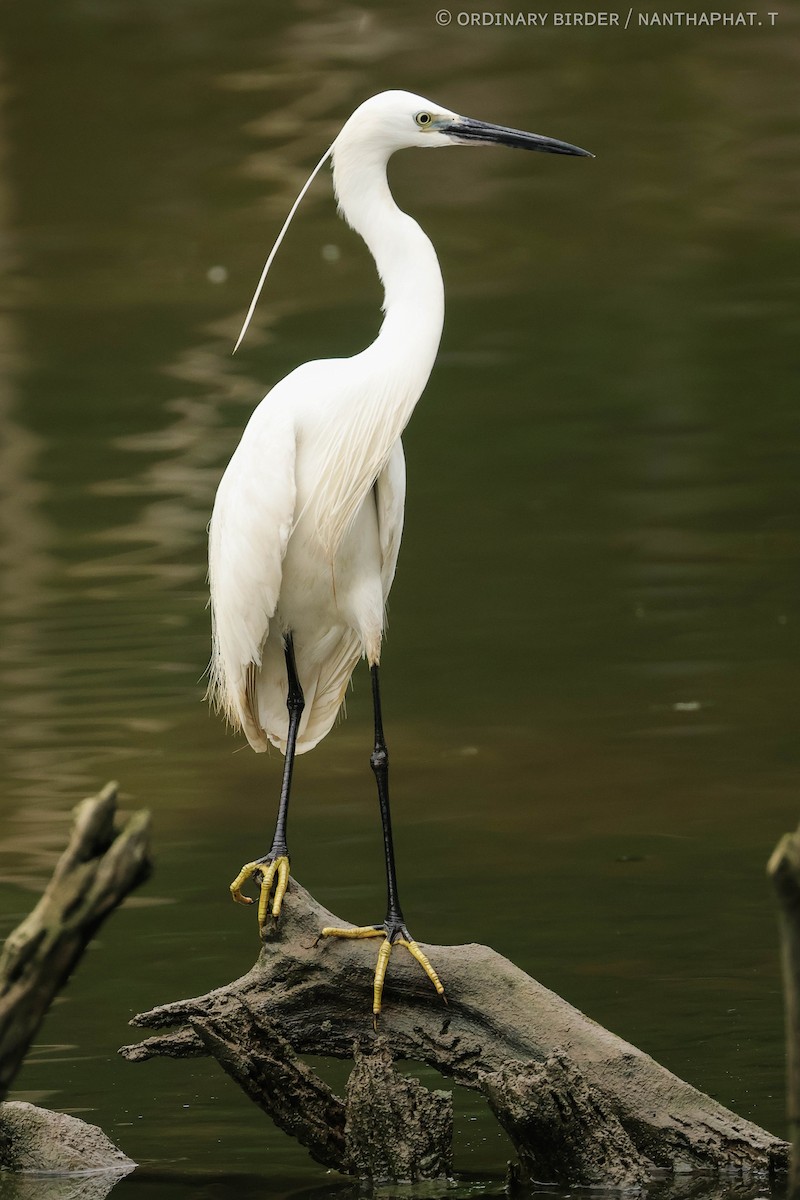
<point>324,671</point>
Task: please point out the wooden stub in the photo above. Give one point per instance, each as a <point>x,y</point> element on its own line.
<point>563,1130</point>
<point>397,1131</point>
<point>98,869</point>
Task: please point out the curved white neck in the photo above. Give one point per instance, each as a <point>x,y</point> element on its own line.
<point>385,381</point>
<point>406,261</point>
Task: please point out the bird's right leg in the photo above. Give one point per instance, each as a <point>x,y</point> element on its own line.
<point>393,930</point>
<point>273,868</point>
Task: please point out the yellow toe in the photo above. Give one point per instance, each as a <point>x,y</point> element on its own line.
<point>269,871</point>
<point>273,874</point>
<point>281,886</point>
<point>236,887</point>
<point>384,954</point>
<point>423,960</point>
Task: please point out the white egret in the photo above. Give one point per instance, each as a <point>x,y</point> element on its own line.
<point>307,521</point>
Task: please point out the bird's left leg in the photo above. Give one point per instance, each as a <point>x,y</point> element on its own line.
<point>273,868</point>
<point>393,930</point>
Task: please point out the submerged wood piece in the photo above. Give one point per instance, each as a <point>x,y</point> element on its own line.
<point>499,1026</point>
<point>784,871</point>
<point>563,1130</point>
<point>249,1048</point>
<point>100,866</point>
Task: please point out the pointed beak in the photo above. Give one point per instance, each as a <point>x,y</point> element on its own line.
<point>480,133</point>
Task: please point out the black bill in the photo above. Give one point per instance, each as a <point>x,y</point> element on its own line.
<point>481,133</point>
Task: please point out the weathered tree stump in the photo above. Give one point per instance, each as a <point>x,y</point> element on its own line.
<point>100,866</point>
<point>397,1130</point>
<point>580,1105</point>
<point>554,1118</point>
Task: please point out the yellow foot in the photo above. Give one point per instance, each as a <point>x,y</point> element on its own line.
<point>394,934</point>
<point>266,871</point>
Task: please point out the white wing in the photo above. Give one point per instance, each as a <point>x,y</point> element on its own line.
<point>390,499</point>
<point>248,534</point>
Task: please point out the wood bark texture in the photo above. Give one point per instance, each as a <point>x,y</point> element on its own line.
<point>580,1105</point>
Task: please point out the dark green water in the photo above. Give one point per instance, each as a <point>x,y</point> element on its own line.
<point>591,676</point>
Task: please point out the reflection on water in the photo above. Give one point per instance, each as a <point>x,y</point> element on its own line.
<point>83,1187</point>
<point>590,670</point>
<point>149,1184</point>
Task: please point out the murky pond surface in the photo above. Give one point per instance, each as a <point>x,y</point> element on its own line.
<point>591,675</point>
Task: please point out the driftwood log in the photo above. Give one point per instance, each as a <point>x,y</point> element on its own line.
<point>580,1105</point>
<point>784,870</point>
<point>100,866</point>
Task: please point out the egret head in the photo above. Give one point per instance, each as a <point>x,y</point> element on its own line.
<point>395,120</point>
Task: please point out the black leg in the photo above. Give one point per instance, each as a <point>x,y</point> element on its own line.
<point>379,761</point>
<point>393,930</point>
<point>273,868</point>
<point>295,704</point>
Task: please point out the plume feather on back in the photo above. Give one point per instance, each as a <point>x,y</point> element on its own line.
<point>248,535</point>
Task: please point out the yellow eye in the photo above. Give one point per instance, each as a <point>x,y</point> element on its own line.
<point>423,119</point>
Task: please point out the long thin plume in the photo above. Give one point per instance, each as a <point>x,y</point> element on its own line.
<point>278,241</point>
